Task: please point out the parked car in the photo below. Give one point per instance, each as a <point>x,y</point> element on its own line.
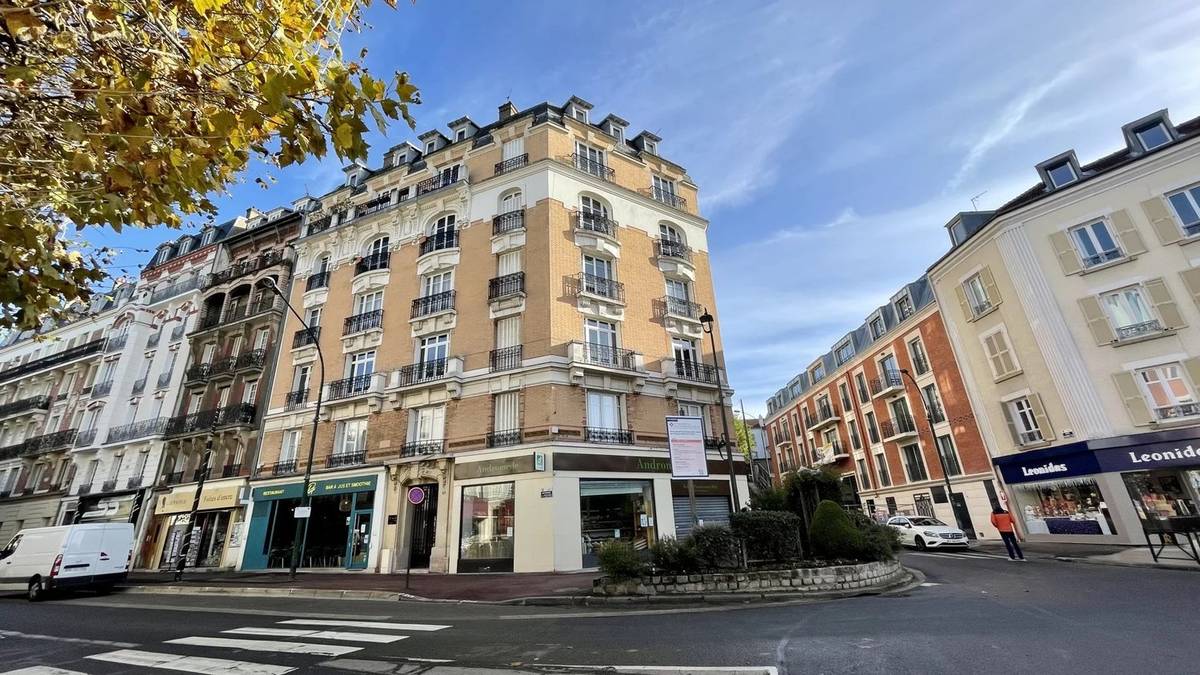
<point>44,559</point>
<point>926,533</point>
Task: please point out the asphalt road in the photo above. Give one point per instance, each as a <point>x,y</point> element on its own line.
<point>980,614</point>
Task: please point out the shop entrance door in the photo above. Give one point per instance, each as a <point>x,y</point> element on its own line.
<point>423,528</point>
<point>360,540</point>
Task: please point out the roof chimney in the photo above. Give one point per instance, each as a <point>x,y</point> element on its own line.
<point>507,110</point>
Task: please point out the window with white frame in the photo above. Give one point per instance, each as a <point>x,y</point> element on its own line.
<point>512,201</point>
<point>881,468</point>
<point>817,373</point>
<point>590,160</point>
<point>663,189</point>
<point>291,443</point>
<point>368,302</point>
<point>506,412</point>
<point>864,476</point>
<point>904,307</point>
<point>844,393</point>
<point>378,248</point>
<point>920,360</point>
<point>1186,203</point>
<point>590,206</point>
<point>860,383</point>
<point>430,147</point>
<point>1129,312</point>
<point>844,352</point>
<point>977,294</point>
<point>250,392</point>
<point>1095,243</point>
<point>670,233</point>
<point>600,338</point>
<point>1024,420</point>
<point>362,364</point>
<point>261,336</point>
<point>461,134</point>
<point>350,438</point>
<point>443,226</point>
<point>427,424</point>
<point>855,440</point>
<point>877,327</point>
<point>1153,135</point>
<point>1168,392</point>
<point>597,269</point>
<point>914,463</point>
<point>604,410</point>
<point>945,446</point>
<point>434,348</point>
<point>432,284</point>
<point>889,368</point>
<point>1000,355</point>
<point>686,354</point>
<point>1061,174</point>
<point>314,317</point>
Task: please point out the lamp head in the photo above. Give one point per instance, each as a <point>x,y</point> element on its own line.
<point>706,319</point>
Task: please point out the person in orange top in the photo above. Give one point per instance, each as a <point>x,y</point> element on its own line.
<point>1003,521</point>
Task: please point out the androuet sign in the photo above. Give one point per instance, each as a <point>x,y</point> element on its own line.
<point>316,488</point>
<point>564,461</point>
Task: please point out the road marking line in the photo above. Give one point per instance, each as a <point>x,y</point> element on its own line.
<point>56,638</point>
<point>367,624</point>
<point>189,664</point>
<point>317,634</point>
<point>764,670</point>
<point>43,670</point>
<point>930,583</point>
<point>219,610</point>
<point>265,645</point>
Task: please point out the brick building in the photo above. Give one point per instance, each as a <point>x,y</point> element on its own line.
<point>505,316</point>
<point>864,410</point>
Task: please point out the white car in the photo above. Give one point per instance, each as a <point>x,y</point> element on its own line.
<point>44,559</point>
<point>926,533</point>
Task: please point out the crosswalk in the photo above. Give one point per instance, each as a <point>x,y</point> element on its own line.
<point>223,653</point>
<point>960,555</point>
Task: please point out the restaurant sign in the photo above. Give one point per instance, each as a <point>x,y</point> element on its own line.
<point>316,488</point>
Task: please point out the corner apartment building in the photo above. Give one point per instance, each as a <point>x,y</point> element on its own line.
<point>224,367</point>
<point>1075,313</point>
<point>505,315</point>
<point>863,409</point>
<point>48,403</point>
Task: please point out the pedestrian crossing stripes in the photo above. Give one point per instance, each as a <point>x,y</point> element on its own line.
<point>960,555</point>
<point>305,638</point>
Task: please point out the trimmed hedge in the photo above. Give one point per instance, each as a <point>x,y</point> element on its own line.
<point>618,560</point>
<point>833,535</point>
<point>674,556</point>
<point>716,547</point>
<point>880,542</point>
<point>769,535</point>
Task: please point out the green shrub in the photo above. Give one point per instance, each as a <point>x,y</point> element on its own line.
<point>673,556</point>
<point>833,535</point>
<point>769,535</point>
<point>618,560</point>
<point>716,547</point>
<point>880,542</point>
<point>769,499</point>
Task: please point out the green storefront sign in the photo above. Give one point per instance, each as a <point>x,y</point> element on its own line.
<point>316,488</point>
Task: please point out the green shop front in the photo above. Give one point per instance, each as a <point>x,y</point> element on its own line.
<point>343,530</point>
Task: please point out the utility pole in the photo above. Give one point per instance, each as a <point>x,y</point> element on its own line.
<point>937,449</point>
<point>706,323</point>
<point>193,531</point>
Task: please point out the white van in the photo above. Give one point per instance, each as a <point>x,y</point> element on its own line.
<point>42,559</point>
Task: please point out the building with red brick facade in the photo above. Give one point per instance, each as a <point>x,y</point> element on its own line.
<point>886,408</point>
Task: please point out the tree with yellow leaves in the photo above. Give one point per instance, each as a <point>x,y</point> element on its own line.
<point>131,113</point>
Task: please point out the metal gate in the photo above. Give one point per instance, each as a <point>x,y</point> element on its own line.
<point>710,510</point>
<point>423,528</point>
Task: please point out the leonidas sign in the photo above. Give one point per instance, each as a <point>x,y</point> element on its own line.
<point>180,499</point>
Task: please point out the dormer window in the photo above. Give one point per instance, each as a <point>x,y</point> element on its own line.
<point>617,133</point>
<point>1061,174</point>
<point>579,114</point>
<point>844,352</point>
<point>652,147</point>
<point>460,135</point>
<point>207,237</point>
<point>430,147</point>
<point>877,327</point>
<point>904,307</point>
<point>1153,135</point>
<point>818,372</point>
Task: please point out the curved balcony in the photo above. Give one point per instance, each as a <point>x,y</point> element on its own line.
<point>598,285</point>
<point>508,222</point>
<point>370,263</point>
<point>25,405</point>
<point>439,241</point>
<point>361,322</point>
<point>591,166</point>
<point>317,280</point>
<point>506,286</point>
<point>305,337</point>
<point>595,222</point>
<point>668,248</point>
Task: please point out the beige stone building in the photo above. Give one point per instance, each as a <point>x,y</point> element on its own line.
<point>506,314</point>
<point>1075,314</point>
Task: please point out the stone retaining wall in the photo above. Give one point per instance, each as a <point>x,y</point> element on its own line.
<point>801,580</point>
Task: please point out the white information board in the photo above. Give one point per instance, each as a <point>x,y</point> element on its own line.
<point>685,438</point>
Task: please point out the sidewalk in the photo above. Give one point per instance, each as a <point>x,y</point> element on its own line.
<point>1125,556</point>
<point>451,587</point>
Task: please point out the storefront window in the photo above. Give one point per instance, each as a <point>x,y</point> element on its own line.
<point>486,534</point>
<point>339,531</point>
<point>615,509</point>
<point>1064,507</point>
<point>1164,494</point>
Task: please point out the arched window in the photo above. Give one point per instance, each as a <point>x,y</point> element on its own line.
<point>592,206</point>
<point>322,265</point>
<point>668,233</point>
<point>378,248</point>
<point>442,226</point>
<point>512,201</point>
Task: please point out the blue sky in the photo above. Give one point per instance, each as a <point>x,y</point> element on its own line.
<point>831,141</point>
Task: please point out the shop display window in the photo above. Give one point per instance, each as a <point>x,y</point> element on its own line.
<point>615,510</point>
<point>487,528</point>
<point>1075,507</point>
<point>1164,494</point>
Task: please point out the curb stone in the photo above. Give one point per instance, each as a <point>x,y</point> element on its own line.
<point>1116,563</point>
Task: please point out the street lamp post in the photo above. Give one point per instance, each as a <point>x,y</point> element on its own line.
<point>941,460</point>
<point>706,323</point>
<point>305,498</point>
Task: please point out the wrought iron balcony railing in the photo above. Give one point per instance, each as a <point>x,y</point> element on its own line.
<point>608,436</point>
<point>432,304</point>
<point>592,166</point>
<point>373,206</point>
<point>370,263</point>
<point>507,285</point>
<point>253,359</point>
<point>508,222</point>
<point>700,372</point>
<point>422,448</point>
<point>499,439</point>
<point>595,222</point>
<point>436,183</point>
<point>278,468</point>
<point>512,164</point>
<point>890,379</point>
<point>174,289</point>
<point>317,280</point>
<point>424,371</point>
<point>673,306</point>
<point>144,428</point>
<point>897,426</point>
<point>1174,412</point>
<point>65,356</point>
<point>233,415</point>
<point>439,241</point>
<point>305,337</point>
<point>668,197</point>
<point>611,357</point>
<point>50,442</point>
<point>360,322</point>
<point>85,438</point>
<point>296,399</point>
<point>231,470</point>
<point>1138,330</point>
<point>345,459</point>
<point>319,225</point>
<point>506,358</point>
<point>25,404</point>
<point>598,285</point>
<point>244,268</point>
<point>669,248</point>
<point>350,386</point>
<point>116,343</point>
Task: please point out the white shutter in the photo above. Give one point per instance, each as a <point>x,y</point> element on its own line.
<point>506,405</point>
<point>513,149</point>
<point>509,263</point>
<point>508,332</point>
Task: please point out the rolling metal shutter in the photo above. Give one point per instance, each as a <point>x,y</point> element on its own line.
<point>711,510</point>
